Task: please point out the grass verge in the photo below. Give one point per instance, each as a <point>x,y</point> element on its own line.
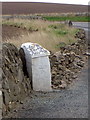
<point>50,35</point>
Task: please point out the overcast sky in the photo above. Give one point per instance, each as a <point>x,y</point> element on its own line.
<point>82,2</point>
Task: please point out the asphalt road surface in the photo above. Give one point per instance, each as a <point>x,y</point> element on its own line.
<point>85,26</point>
<point>68,103</point>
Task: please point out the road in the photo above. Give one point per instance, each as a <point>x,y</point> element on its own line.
<point>85,26</point>
<point>69,103</point>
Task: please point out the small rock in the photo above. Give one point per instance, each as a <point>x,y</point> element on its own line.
<point>15,110</point>
<point>21,102</point>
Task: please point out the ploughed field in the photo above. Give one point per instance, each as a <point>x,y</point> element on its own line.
<point>27,8</point>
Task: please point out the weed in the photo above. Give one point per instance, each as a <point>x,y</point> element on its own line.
<point>61,44</point>
<point>60,32</point>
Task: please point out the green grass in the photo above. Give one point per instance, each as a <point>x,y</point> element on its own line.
<point>64,18</point>
<point>58,29</point>
<point>61,30</point>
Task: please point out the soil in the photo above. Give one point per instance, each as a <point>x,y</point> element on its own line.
<point>9,32</point>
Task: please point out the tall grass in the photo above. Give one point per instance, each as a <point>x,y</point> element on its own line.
<point>49,34</point>
<point>28,24</point>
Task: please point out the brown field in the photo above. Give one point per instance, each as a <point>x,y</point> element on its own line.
<point>28,8</point>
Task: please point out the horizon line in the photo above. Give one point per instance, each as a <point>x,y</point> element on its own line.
<point>6,1</point>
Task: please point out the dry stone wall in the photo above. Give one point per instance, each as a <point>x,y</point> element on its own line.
<point>66,63</point>
<point>15,85</point>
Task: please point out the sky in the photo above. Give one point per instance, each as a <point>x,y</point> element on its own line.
<point>82,2</point>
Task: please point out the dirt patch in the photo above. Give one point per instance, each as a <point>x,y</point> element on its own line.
<point>9,32</point>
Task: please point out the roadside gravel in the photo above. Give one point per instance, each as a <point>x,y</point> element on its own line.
<point>70,103</point>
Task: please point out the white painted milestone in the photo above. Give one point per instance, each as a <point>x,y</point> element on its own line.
<point>37,61</point>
